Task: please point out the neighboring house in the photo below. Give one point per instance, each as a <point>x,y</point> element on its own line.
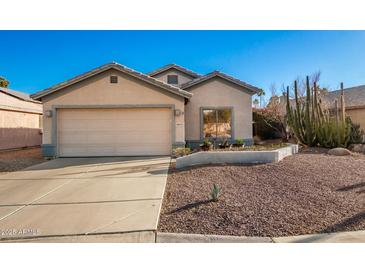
<point>116,111</point>
<point>20,120</point>
<point>354,103</point>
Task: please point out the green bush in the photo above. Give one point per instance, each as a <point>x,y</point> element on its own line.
<point>333,134</point>
<point>356,133</point>
<point>206,145</point>
<point>239,142</point>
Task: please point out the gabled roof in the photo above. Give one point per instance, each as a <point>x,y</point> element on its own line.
<point>223,76</point>
<point>17,94</point>
<point>119,67</point>
<point>354,97</point>
<point>174,66</point>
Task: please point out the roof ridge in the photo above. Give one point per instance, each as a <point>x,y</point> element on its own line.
<point>354,87</point>
<point>18,94</point>
<point>223,75</point>
<point>105,67</point>
<point>176,66</point>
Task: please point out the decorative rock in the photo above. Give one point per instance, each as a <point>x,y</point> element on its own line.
<point>359,148</point>
<point>339,151</point>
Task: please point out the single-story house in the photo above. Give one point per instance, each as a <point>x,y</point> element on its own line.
<point>20,120</point>
<point>354,103</point>
<point>116,111</point>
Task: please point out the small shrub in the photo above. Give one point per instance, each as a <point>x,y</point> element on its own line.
<point>215,193</point>
<point>206,142</point>
<point>206,145</point>
<point>225,144</point>
<point>181,151</point>
<point>240,142</point>
<point>356,134</point>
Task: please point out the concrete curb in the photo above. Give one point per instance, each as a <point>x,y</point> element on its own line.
<point>162,237</point>
<point>337,237</point>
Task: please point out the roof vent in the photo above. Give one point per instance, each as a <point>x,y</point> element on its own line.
<point>113,79</point>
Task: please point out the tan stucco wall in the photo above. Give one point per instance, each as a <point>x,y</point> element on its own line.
<point>182,77</point>
<point>99,91</point>
<point>10,102</point>
<point>19,129</point>
<point>219,93</point>
<point>16,119</point>
<point>357,116</point>
<point>19,123</point>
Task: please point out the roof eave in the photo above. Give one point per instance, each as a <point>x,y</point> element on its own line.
<point>174,66</point>
<point>251,89</point>
<point>30,100</point>
<point>106,67</point>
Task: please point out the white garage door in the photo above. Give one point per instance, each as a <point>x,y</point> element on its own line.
<point>114,132</point>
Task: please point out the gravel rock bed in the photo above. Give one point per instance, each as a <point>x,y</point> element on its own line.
<point>310,192</point>
<point>19,159</point>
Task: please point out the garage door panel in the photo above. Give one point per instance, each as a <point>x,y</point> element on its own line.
<point>116,136</point>
<point>114,132</point>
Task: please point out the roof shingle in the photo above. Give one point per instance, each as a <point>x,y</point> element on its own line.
<point>174,66</point>
<point>354,97</point>
<point>113,65</point>
<point>20,95</point>
<point>222,75</point>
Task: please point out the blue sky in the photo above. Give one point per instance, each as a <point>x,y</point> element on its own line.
<point>34,60</point>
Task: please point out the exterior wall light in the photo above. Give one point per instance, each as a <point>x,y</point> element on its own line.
<point>48,113</point>
<point>178,112</point>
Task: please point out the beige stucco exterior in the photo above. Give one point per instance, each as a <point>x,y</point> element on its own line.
<point>20,122</point>
<point>97,91</point>
<point>218,92</point>
<point>18,119</point>
<point>357,116</point>
<point>182,77</point>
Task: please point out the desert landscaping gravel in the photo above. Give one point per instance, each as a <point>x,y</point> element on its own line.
<point>19,159</point>
<point>309,192</point>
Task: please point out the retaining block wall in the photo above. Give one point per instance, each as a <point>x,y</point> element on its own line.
<point>236,157</point>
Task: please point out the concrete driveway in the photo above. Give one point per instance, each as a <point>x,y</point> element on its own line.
<point>113,199</point>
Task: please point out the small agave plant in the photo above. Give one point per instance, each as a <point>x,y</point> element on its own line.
<point>215,193</point>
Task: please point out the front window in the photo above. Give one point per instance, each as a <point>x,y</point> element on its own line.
<point>217,123</point>
<point>172,79</point>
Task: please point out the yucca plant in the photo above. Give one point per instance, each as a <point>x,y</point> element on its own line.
<point>215,193</point>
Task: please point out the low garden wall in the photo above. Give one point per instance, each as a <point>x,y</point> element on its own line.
<point>236,157</point>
